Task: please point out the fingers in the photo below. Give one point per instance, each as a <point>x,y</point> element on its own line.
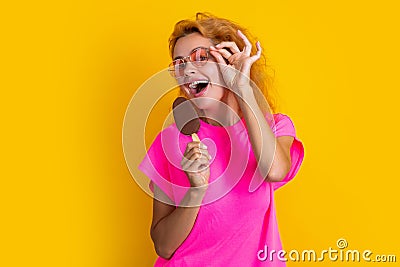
<point>229,56</point>
<point>218,57</point>
<point>196,155</point>
<point>252,59</point>
<point>226,49</point>
<point>247,44</point>
<point>231,45</point>
<point>230,51</point>
<point>195,144</point>
<point>225,53</point>
<point>258,54</point>
<point>197,165</point>
<point>233,62</point>
<point>225,57</point>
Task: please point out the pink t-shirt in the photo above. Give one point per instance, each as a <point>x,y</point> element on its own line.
<point>236,222</point>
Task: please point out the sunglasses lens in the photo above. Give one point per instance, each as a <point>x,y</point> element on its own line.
<point>199,57</point>
<point>176,67</point>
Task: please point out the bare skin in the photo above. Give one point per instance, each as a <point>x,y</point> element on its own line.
<point>274,161</point>
<point>171,225</point>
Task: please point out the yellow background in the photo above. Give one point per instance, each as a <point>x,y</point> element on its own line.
<point>69,70</point>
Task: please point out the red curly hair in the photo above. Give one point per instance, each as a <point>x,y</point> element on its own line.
<point>219,30</point>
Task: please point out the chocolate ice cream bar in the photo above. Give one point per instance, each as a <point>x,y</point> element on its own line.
<point>186,117</point>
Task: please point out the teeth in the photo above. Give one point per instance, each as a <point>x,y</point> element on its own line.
<point>193,85</point>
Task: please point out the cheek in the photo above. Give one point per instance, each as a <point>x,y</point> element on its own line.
<point>217,92</point>
<point>217,77</point>
<point>212,69</point>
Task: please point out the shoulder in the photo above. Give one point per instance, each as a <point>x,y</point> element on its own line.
<point>283,125</point>
<point>281,117</point>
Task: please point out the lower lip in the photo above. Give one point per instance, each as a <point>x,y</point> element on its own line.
<point>202,92</point>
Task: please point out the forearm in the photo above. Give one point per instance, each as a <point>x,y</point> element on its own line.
<point>170,232</point>
<point>272,161</point>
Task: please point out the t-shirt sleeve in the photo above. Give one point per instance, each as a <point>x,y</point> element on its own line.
<point>285,127</point>
<point>155,166</point>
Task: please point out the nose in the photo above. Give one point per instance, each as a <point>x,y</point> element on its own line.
<point>189,69</point>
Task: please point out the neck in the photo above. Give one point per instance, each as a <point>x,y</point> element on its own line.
<point>225,114</point>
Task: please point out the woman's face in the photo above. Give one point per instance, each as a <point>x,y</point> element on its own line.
<point>202,83</point>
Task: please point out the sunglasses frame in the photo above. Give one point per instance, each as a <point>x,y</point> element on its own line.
<point>172,68</point>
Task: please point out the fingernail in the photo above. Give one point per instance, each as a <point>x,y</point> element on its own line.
<point>212,47</point>
<point>217,45</point>
<point>203,146</point>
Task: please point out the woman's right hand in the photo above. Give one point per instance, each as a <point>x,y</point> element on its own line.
<point>196,164</point>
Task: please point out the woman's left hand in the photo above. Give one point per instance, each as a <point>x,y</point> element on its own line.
<point>236,73</point>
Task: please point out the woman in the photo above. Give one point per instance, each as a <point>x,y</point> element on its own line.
<point>213,201</point>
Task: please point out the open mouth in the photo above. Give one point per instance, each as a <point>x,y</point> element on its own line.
<point>197,88</point>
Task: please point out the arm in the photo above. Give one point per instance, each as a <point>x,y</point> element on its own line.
<point>272,154</point>
<point>171,225</point>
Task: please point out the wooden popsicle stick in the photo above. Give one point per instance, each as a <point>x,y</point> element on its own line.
<point>195,137</point>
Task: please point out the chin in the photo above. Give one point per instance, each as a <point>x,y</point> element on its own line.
<point>206,103</point>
